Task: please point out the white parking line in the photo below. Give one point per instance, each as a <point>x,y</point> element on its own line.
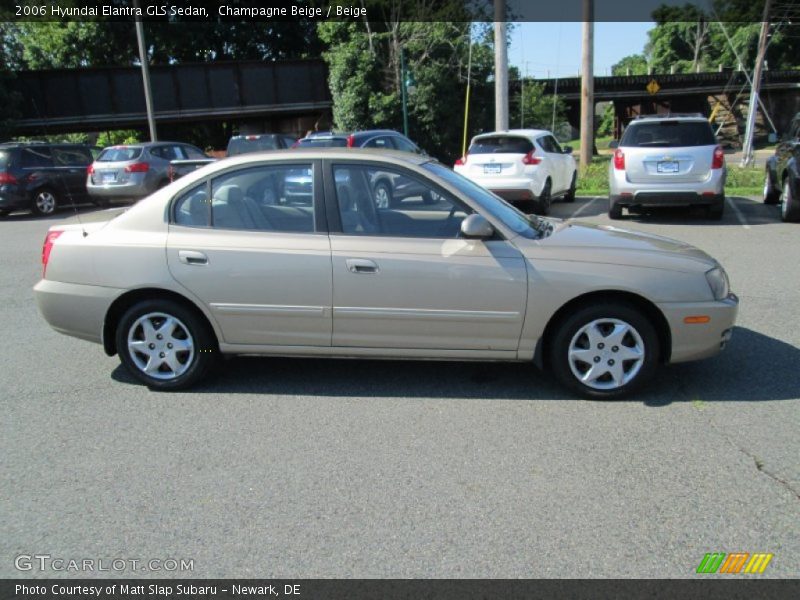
<point>739,214</point>
<point>582,208</point>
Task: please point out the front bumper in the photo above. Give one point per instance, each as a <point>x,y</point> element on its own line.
<point>12,198</point>
<point>74,309</point>
<point>700,340</point>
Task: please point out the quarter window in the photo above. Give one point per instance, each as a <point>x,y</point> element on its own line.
<point>378,201</point>
<point>36,157</point>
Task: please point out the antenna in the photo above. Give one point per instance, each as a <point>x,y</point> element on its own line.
<point>60,174</point>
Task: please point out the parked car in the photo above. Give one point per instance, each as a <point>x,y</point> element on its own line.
<point>667,160</point>
<point>238,144</point>
<point>231,267</point>
<point>377,139</point>
<point>41,177</point>
<point>133,171</point>
<point>527,167</point>
<point>781,174</point>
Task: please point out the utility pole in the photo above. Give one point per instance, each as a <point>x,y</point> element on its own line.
<point>500,67</point>
<point>747,146</point>
<point>587,86</point>
<point>148,91</point>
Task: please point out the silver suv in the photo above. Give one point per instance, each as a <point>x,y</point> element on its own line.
<point>670,160</point>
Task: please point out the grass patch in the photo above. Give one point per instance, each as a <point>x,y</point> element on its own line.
<point>747,181</point>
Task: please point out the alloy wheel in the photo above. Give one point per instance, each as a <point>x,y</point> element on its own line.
<point>45,202</point>
<point>160,345</point>
<point>606,354</point>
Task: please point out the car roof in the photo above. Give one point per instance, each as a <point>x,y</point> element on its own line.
<point>520,132</point>
<point>344,134</point>
<point>349,154</point>
<point>146,144</point>
<point>668,117</point>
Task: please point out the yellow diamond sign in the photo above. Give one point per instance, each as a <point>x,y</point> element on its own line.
<point>653,87</point>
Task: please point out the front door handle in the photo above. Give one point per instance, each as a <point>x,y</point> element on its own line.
<point>192,257</point>
<point>361,266</point>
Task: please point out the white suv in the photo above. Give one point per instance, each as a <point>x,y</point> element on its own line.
<point>526,167</point>
<point>667,160</point>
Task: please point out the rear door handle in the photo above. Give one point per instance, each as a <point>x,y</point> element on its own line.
<point>361,266</point>
<point>192,257</point>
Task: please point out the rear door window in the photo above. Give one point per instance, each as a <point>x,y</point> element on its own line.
<point>501,144</point>
<point>404,145</point>
<point>119,154</point>
<point>383,142</point>
<point>36,157</point>
<point>252,144</point>
<point>71,157</point>
<point>666,134</point>
<point>193,153</point>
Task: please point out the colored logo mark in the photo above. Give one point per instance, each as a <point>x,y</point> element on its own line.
<point>735,562</point>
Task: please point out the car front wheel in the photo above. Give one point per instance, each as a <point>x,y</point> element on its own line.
<point>604,351</point>
<point>771,195</point>
<point>165,345</point>
<point>790,208</point>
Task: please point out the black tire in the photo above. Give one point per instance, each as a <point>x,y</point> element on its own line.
<point>790,207</point>
<point>44,202</point>
<point>382,194</point>
<point>541,206</point>
<point>604,312</point>
<point>570,195</point>
<point>614,211</point>
<point>193,366</point>
<point>4,213</point>
<point>771,195</point>
<point>716,211</point>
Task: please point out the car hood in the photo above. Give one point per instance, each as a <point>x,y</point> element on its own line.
<point>586,242</point>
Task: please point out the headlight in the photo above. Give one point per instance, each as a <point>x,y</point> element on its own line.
<point>718,281</point>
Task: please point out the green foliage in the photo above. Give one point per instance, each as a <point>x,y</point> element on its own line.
<point>118,136</point>
<point>538,107</point>
<point>636,63</point>
<point>606,126</point>
<point>364,66</point>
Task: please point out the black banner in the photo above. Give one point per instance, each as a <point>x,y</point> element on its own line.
<point>729,588</point>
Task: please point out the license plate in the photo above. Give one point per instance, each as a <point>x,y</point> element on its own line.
<point>667,166</point>
<point>108,177</point>
<point>492,169</point>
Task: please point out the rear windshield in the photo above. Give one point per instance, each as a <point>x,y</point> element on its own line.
<point>668,134</point>
<point>244,146</point>
<point>119,154</point>
<point>5,158</point>
<point>500,144</point>
<point>322,142</point>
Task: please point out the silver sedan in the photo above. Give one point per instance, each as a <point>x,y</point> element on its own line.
<point>226,261</point>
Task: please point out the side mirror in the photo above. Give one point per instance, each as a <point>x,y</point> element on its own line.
<point>567,149</point>
<point>477,227</point>
<point>613,144</point>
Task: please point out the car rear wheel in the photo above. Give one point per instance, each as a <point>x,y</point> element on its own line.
<point>604,351</point>
<point>382,194</point>
<point>771,195</point>
<point>165,345</point>
<point>570,195</point>
<point>44,202</point>
<point>716,211</point>
<point>614,211</point>
<point>790,207</point>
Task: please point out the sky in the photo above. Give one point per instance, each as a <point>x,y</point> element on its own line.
<point>556,47</point>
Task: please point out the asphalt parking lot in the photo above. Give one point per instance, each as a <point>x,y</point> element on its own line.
<point>336,468</point>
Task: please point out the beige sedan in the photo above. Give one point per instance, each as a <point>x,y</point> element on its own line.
<point>298,253</point>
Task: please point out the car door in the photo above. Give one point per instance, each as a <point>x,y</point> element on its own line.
<point>258,260</point>
<point>557,161</point>
<point>69,163</point>
<point>403,278</point>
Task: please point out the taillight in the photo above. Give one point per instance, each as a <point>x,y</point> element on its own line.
<point>719,158</point>
<point>139,167</point>
<point>530,159</point>
<point>7,178</point>
<point>296,144</point>
<point>460,162</point>
<point>351,140</point>
<point>90,170</point>
<point>47,247</point>
<point>619,160</point>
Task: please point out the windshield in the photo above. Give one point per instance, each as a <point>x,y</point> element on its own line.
<point>244,145</point>
<point>494,205</point>
<point>668,134</point>
<point>119,154</point>
<point>497,144</point>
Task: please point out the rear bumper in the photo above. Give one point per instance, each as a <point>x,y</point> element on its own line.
<point>667,198</point>
<point>130,189</point>
<point>73,309</point>
<point>518,188</point>
<point>702,340</point>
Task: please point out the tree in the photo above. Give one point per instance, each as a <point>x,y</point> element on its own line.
<point>365,77</point>
<point>636,64</point>
<point>540,108</point>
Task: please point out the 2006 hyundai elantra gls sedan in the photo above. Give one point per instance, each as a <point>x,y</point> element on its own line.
<point>226,261</point>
